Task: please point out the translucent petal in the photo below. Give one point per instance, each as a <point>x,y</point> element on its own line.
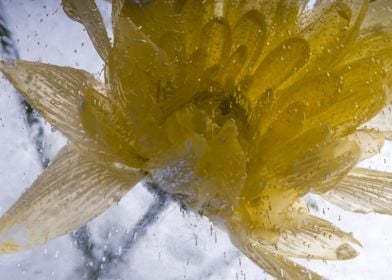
<point>234,9</point>
<point>139,71</point>
<point>117,6</point>
<point>288,149</point>
<point>75,188</point>
<point>331,29</point>
<point>325,29</point>
<point>363,191</point>
<point>369,141</point>
<point>378,15</point>
<point>87,13</point>
<point>382,122</point>
<point>315,238</point>
<point>106,126</point>
<point>277,66</point>
<point>195,14</point>
<point>277,265</point>
<point>315,93</point>
<point>270,161</point>
<point>223,184</point>
<point>216,41</point>
<point>156,18</point>
<point>370,44</point>
<point>55,92</point>
<point>139,80</point>
<point>286,18</point>
<point>276,125</point>
<point>361,96</point>
<point>322,167</point>
<point>249,34</point>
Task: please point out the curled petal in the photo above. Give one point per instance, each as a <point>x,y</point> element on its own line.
<point>55,92</point>
<point>87,13</point>
<point>363,191</point>
<point>74,189</point>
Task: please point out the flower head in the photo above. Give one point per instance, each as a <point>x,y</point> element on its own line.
<point>240,108</point>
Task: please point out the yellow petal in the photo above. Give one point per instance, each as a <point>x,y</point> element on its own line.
<point>117,6</point>
<point>382,122</point>
<point>325,28</point>
<point>195,14</point>
<point>249,33</point>
<point>55,92</point>
<point>322,167</point>
<point>370,44</point>
<point>225,184</point>
<point>277,66</point>
<point>138,72</point>
<point>155,19</point>
<point>378,15</point>
<point>87,13</point>
<point>364,191</point>
<point>216,41</point>
<point>369,141</point>
<point>233,9</point>
<point>331,28</point>
<point>361,96</point>
<point>139,80</point>
<point>105,125</point>
<point>75,188</point>
<point>315,238</point>
<point>286,19</point>
<point>276,265</point>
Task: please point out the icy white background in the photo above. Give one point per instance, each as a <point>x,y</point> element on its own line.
<point>144,236</point>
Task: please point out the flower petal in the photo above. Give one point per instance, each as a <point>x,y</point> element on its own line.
<point>276,265</point>
<point>331,26</point>
<point>117,6</point>
<point>87,13</point>
<point>75,188</point>
<point>378,15</point>
<point>149,15</point>
<point>249,33</point>
<point>363,191</point>
<point>369,141</point>
<point>315,238</point>
<point>382,122</point>
<point>322,167</point>
<point>55,92</point>
<point>215,40</point>
<point>138,79</point>
<point>282,62</point>
<point>105,125</point>
<point>361,96</point>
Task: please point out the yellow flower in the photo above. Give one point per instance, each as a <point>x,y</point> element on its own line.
<point>238,107</point>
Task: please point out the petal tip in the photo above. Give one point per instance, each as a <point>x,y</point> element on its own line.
<point>8,247</point>
<point>345,252</point>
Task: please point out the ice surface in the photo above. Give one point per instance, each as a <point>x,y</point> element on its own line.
<point>143,237</point>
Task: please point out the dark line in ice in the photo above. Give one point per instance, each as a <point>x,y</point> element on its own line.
<point>9,51</point>
<point>95,267</point>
